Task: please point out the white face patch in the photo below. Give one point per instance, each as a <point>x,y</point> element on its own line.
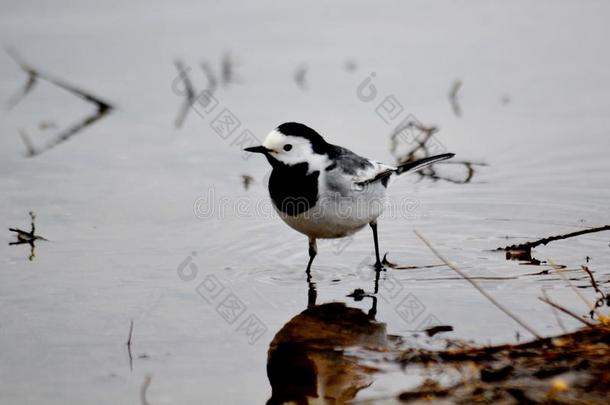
<point>299,151</point>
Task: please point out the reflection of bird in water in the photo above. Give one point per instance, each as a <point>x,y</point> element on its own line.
<point>306,362</point>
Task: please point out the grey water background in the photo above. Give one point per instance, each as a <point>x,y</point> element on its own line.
<point>117,201</point>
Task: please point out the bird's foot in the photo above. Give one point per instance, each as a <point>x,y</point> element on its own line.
<point>379,267</point>
<point>358,294</point>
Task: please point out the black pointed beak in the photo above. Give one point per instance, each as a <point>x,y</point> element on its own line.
<point>258,149</point>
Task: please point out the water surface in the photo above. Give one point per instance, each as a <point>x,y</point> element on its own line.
<point>117,202</point>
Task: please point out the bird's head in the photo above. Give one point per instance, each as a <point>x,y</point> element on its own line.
<point>291,144</point>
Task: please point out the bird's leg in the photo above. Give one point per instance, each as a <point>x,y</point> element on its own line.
<point>311,291</point>
<point>373,311</point>
<point>32,251</point>
<point>378,265</point>
<point>32,218</point>
<point>376,285</point>
<point>313,251</point>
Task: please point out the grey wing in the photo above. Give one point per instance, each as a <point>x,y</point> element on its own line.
<point>349,171</point>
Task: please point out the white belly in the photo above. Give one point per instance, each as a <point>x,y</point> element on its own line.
<point>336,216</point>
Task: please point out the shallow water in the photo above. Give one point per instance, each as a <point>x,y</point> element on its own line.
<point>125,203</point>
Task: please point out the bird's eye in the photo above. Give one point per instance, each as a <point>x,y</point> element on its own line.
<point>287,147</point>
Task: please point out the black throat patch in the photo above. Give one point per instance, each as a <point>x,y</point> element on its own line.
<point>292,190</point>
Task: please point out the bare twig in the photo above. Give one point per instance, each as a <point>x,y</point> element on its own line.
<point>593,282</point>
<point>28,236</point>
<point>545,241</point>
<point>420,141</point>
<point>58,82</point>
<point>69,132</point>
<point>130,333</point>
<point>559,271</point>
<point>226,69</point>
<point>27,87</point>
<point>128,343</point>
<point>189,95</point>
<point>565,311</point>
<point>555,313</point>
<point>431,173</point>
<point>453,97</point>
<point>29,146</point>
<point>209,74</point>
<point>425,145</point>
<point>475,285</point>
<point>102,109</point>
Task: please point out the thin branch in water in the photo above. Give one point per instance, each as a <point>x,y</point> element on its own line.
<point>29,146</point>
<point>555,313</point>
<point>210,77</point>
<point>227,70</point>
<point>438,329</point>
<point>71,131</point>
<point>102,107</point>
<point>545,241</point>
<point>431,173</point>
<point>593,282</point>
<point>29,84</point>
<point>475,285</point>
<point>27,237</point>
<point>425,145</point>
<point>128,343</point>
<point>559,271</point>
<point>189,96</point>
<point>566,311</point>
<point>453,98</point>
<point>426,133</point>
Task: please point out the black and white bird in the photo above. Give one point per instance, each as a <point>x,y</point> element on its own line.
<point>326,191</point>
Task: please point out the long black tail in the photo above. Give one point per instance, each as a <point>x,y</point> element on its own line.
<point>421,163</point>
<point>406,167</point>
